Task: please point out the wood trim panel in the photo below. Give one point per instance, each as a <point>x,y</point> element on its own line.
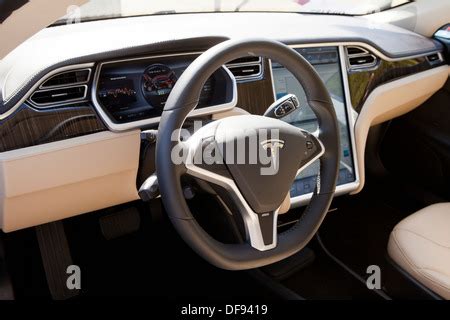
<point>363,83</point>
<point>256,96</point>
<point>30,127</point>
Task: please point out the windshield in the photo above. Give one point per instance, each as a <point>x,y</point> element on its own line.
<point>106,9</point>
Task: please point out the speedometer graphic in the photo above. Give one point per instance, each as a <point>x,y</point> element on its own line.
<point>157,83</point>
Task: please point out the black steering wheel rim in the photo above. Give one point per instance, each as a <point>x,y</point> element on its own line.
<point>184,98</point>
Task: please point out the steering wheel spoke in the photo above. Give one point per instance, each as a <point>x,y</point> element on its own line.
<point>314,149</point>
<point>260,228</point>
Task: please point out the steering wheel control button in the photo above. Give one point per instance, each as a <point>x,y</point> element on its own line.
<point>282,107</point>
<point>280,111</point>
<point>295,101</point>
<point>188,193</point>
<point>286,108</point>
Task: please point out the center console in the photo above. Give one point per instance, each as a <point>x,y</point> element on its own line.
<point>330,66</point>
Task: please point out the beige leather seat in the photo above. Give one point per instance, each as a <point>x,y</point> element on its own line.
<point>420,244</point>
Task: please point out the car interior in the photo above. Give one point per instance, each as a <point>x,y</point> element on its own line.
<point>99,99</point>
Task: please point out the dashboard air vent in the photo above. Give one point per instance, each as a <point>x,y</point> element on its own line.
<point>245,71</point>
<point>68,78</point>
<point>45,98</point>
<point>246,68</point>
<point>359,58</point>
<point>435,58</point>
<point>65,87</point>
<point>351,51</point>
<point>362,61</point>
<point>248,59</point>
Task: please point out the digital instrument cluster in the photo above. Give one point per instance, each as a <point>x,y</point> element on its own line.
<point>158,81</point>
<point>137,89</point>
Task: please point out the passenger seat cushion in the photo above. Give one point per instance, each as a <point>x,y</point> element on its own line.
<point>420,244</point>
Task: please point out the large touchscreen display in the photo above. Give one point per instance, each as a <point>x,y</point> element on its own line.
<point>326,62</point>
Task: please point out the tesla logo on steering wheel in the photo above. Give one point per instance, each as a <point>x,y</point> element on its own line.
<point>274,146</point>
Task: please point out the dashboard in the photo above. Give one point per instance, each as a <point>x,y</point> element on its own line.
<point>88,99</point>
<point>133,92</point>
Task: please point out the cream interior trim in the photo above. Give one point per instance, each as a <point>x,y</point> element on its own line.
<point>393,100</point>
<point>58,180</point>
<point>420,245</point>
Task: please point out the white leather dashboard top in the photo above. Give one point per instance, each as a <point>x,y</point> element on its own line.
<point>91,41</point>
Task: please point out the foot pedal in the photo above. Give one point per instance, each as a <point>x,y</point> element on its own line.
<point>56,258</point>
<point>287,267</point>
<point>120,223</point>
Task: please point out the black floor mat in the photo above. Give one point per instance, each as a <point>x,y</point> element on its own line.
<point>326,280</point>
<point>24,264</point>
<point>153,261</point>
<point>362,231</point>
<point>358,232</point>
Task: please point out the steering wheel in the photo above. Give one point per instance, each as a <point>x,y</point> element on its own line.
<point>257,196</point>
